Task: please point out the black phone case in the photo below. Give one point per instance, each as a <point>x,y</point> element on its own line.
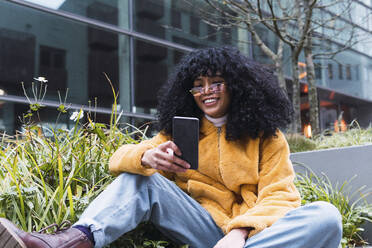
<point>186,137</point>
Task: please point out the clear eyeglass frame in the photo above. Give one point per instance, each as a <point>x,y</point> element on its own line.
<point>213,88</point>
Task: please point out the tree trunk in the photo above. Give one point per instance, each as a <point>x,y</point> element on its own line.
<point>280,74</point>
<point>278,60</point>
<point>312,95</point>
<point>296,100</point>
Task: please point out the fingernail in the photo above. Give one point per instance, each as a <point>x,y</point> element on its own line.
<point>169,151</point>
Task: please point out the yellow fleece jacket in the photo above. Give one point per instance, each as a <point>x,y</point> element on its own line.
<point>241,184</point>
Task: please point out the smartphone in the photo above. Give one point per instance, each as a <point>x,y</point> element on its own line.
<point>186,136</point>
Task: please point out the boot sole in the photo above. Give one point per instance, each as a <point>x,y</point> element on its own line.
<point>8,238</point>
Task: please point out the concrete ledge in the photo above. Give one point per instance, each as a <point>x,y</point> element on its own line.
<point>340,165</point>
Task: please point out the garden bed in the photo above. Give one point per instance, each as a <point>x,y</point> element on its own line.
<point>346,164</point>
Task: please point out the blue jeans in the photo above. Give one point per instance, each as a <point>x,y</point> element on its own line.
<point>131,199</point>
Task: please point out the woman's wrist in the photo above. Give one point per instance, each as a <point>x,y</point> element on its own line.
<point>244,232</point>
<point>144,161</point>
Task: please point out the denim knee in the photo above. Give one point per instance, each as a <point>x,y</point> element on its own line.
<point>130,176</point>
<point>329,217</point>
<point>126,179</point>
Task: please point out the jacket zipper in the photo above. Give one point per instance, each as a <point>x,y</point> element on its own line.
<point>219,151</point>
<point>218,135</point>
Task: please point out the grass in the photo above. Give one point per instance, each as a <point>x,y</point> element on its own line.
<point>355,135</point>
<point>299,143</point>
<point>354,212</point>
<point>49,180</point>
<point>319,188</point>
<point>49,175</point>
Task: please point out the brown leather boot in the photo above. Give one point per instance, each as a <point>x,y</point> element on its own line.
<point>13,237</point>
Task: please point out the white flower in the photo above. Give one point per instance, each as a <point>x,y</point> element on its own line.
<point>77,115</point>
<point>41,79</point>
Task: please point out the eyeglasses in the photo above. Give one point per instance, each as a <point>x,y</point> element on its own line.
<point>213,88</point>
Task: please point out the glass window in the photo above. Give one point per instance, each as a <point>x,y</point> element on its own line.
<point>179,22</point>
<point>357,85</point>
<point>68,54</point>
<point>152,65</point>
<point>348,72</point>
<point>211,33</point>
<point>12,118</point>
<point>194,25</point>
<point>114,12</point>
<point>149,17</point>
<point>52,66</point>
<point>357,72</point>
<point>318,70</point>
<point>340,71</point>
<point>330,71</point>
<point>176,20</point>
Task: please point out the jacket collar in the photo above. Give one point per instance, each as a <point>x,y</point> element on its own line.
<point>207,126</point>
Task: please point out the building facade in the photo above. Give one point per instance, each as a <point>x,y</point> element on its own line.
<point>136,43</point>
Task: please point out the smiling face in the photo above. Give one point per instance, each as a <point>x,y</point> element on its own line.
<point>213,103</point>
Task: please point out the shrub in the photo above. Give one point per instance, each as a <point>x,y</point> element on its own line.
<point>355,135</point>
<point>49,175</point>
<point>354,212</point>
<point>299,143</point>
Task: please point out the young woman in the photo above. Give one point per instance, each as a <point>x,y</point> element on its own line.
<point>242,194</point>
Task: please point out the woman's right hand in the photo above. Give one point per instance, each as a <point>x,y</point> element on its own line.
<point>163,158</point>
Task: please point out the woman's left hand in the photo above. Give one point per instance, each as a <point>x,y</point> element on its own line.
<point>234,239</point>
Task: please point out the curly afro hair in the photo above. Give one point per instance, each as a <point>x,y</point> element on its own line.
<point>258,105</point>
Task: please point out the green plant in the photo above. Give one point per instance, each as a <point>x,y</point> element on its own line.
<point>354,212</point>
<point>145,236</point>
<point>49,175</point>
<point>355,135</point>
<point>299,143</point>
<point>46,179</point>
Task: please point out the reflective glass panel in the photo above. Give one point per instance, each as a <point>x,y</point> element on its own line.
<point>349,72</point>
<point>113,12</point>
<point>13,118</point>
<point>180,22</point>
<point>72,56</point>
<point>152,65</point>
